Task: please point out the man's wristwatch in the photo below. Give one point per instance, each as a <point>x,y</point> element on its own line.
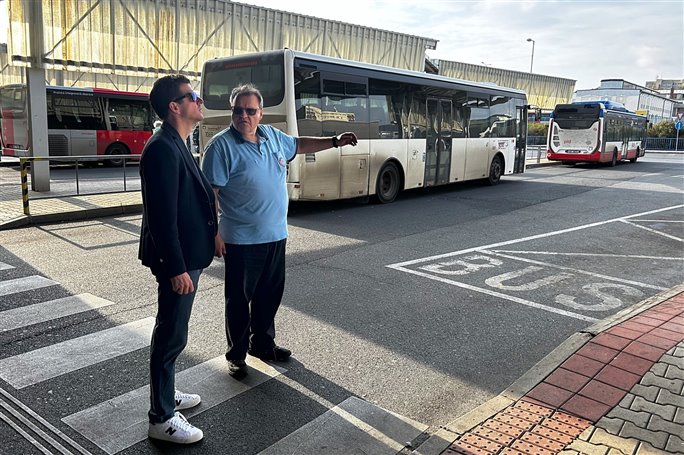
<point>334,141</point>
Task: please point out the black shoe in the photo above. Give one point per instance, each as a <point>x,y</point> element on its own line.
<point>276,354</point>
<point>237,368</point>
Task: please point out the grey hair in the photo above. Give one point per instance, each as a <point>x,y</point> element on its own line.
<point>246,90</point>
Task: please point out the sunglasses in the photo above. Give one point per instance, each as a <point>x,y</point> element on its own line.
<point>251,111</point>
<point>191,95</point>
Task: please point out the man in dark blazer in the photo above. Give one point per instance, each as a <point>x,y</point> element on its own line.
<point>177,241</point>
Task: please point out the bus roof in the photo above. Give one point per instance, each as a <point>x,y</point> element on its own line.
<point>396,73</point>
<point>610,105</point>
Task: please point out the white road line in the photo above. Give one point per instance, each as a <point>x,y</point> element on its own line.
<point>47,311</point>
<point>24,284</point>
<point>4,266</point>
<point>583,272</point>
<point>599,255</point>
<point>657,221</point>
<point>24,434</point>
<point>55,360</point>
<point>496,294</point>
<point>354,426</point>
<point>34,428</point>
<point>43,422</point>
<point>121,422</point>
<point>652,230</point>
<point>532,237</point>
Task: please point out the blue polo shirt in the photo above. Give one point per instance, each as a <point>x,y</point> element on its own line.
<point>250,178</point>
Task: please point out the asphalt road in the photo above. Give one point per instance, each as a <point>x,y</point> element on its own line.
<point>426,307</point>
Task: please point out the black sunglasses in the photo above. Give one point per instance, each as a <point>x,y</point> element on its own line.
<point>251,111</point>
<point>192,95</point>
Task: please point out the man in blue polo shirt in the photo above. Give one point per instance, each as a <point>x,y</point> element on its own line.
<point>246,165</point>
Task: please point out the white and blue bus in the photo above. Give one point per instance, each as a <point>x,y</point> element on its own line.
<point>415,129</point>
<point>595,131</point>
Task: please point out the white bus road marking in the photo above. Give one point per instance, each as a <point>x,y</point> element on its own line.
<point>55,360</point>
<point>4,266</point>
<point>28,283</point>
<point>562,299</point>
<point>599,255</point>
<point>497,294</point>
<point>116,424</point>
<point>653,231</point>
<point>47,311</point>
<point>526,239</point>
<point>353,426</point>
<point>574,270</point>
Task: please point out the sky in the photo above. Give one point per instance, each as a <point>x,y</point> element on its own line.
<point>582,40</point>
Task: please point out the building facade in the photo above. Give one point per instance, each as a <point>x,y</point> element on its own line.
<point>636,98</point>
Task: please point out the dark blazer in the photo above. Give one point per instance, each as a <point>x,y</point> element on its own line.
<point>179,209</point>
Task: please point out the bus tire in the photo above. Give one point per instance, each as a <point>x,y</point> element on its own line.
<point>116,149</point>
<point>634,160</point>
<point>496,169</point>
<point>388,185</point>
<point>613,161</point>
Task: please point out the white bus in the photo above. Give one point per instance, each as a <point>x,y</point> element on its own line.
<point>415,129</point>
<point>595,131</point>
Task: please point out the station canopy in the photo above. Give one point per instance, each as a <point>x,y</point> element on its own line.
<point>126,45</point>
<point>542,91</point>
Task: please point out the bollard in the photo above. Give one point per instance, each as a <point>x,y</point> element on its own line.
<point>24,185</point>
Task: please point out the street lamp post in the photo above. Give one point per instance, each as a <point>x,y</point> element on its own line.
<point>532,58</point>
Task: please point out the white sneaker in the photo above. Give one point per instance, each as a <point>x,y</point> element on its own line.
<point>186,400</point>
<point>177,429</point>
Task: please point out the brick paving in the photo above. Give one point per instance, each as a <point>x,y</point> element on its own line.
<point>621,393</point>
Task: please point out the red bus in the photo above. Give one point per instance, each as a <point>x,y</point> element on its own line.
<point>81,121</point>
<point>595,131</point>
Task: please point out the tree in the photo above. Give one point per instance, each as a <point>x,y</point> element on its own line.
<point>664,128</point>
<point>537,129</point>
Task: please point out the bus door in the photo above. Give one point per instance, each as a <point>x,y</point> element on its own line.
<point>520,139</point>
<point>438,146</point>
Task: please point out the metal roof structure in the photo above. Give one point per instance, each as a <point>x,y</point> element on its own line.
<point>126,45</point>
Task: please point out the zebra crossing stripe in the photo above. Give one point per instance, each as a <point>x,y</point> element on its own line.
<point>121,422</point>
<point>55,360</point>
<point>353,426</point>
<point>4,266</point>
<point>27,283</point>
<point>47,311</point>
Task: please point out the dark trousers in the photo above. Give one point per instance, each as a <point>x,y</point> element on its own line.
<point>255,281</point>
<point>169,337</point>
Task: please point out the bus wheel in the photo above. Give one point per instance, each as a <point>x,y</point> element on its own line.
<point>387,186</point>
<point>116,149</point>
<point>634,160</point>
<point>613,162</point>
<point>495,171</point>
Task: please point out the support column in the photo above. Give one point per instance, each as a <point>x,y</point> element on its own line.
<point>36,100</point>
<point>37,124</point>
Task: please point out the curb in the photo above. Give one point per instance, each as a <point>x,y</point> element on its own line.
<point>444,437</point>
<point>87,214</point>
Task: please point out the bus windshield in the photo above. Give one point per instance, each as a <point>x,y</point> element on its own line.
<point>265,72</point>
<point>576,117</point>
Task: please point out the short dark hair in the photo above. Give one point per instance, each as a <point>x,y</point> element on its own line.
<point>246,90</point>
<point>165,90</point>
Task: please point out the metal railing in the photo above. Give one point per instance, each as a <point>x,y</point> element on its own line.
<point>24,163</point>
<point>663,143</point>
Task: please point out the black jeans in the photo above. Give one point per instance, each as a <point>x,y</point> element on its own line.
<point>169,337</point>
<point>255,281</point>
